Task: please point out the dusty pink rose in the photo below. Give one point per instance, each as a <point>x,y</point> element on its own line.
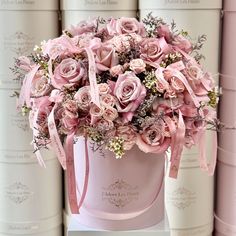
<point>106,57</point>
<point>164,31</point>
<point>152,139</point>
<point>137,66</point>
<point>116,70</point>
<point>125,25</point>
<point>82,28</point>
<point>129,135</point>
<point>69,71</point>
<point>104,125</point>
<point>152,49</point>
<point>60,46</point>
<point>124,42</point>
<point>107,100</point>
<point>110,113</point>
<point>69,121</point>
<point>56,96</point>
<point>104,88</point>
<point>83,97</point>
<point>40,86</point>
<point>129,91</point>
<point>181,42</point>
<point>71,105</point>
<point>177,84</point>
<point>95,113</point>
<point>194,72</point>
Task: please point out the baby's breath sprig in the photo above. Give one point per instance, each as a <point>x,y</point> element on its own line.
<point>25,110</point>
<point>150,81</point>
<point>214,97</point>
<point>170,58</point>
<point>116,145</point>
<point>94,134</point>
<point>152,23</point>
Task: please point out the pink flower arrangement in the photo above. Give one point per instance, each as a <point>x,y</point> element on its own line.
<point>118,83</point>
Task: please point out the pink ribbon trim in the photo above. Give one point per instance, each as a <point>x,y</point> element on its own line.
<point>55,139</point>
<point>209,168</point>
<point>26,87</point>
<point>92,77</point>
<point>177,147</point>
<point>73,189</point>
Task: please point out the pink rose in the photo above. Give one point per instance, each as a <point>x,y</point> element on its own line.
<point>125,25</point>
<point>56,96</point>
<point>194,72</point>
<point>95,113</point>
<point>152,49</point>
<point>69,121</point>
<point>82,28</point>
<point>129,91</point>
<point>60,46</point>
<point>129,135</point>
<point>69,71</point>
<point>116,70</point>
<point>110,113</point>
<point>137,66</point>
<point>106,57</point>
<point>83,97</point>
<point>71,106</point>
<point>164,31</point>
<point>177,84</point>
<point>104,125</point>
<point>152,138</point>
<point>107,100</point>
<point>182,43</point>
<point>40,86</point>
<point>104,88</point>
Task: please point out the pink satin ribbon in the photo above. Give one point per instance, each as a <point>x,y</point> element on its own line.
<point>209,168</point>
<point>177,147</point>
<point>92,77</point>
<point>71,176</point>
<point>55,139</point>
<point>25,93</point>
<point>224,228</point>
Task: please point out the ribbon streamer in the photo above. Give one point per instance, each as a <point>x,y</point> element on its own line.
<point>55,139</point>
<point>92,77</point>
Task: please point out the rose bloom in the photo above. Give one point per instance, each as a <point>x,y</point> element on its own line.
<point>71,106</point>
<point>106,57</point>
<point>116,70</point>
<point>107,100</point>
<point>60,46</point>
<point>125,25</point>
<point>128,133</point>
<point>152,49</point>
<point>137,66</point>
<point>110,113</point>
<point>181,42</point>
<point>69,71</point>
<point>152,138</point>
<point>69,121</point>
<point>103,88</point>
<point>83,97</point>
<point>103,124</point>
<point>40,86</point>
<point>164,31</point>
<point>129,91</point>
<point>82,28</point>
<point>95,113</point>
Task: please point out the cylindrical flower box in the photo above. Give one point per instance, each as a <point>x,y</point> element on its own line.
<point>192,17</point>
<point>123,194</point>
<point>225,222</point>
<point>30,196</point>
<point>229,37</point>
<point>74,11</point>
<point>189,200</point>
